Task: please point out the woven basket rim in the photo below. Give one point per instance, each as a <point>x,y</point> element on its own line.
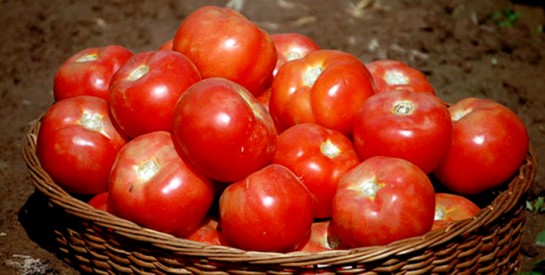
<point>502,203</point>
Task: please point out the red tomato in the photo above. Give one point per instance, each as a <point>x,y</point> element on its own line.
<point>89,72</point>
<point>78,143</point>
<point>452,207</point>
<point>326,87</point>
<point>403,124</point>
<point>396,75</point>
<point>224,43</point>
<point>270,210</point>
<point>151,185</point>
<point>489,144</point>
<point>100,201</point>
<point>319,238</point>
<point>319,157</point>
<point>223,130</point>
<point>145,90</point>
<point>292,46</point>
<point>207,232</point>
<point>167,45</point>
<point>382,200</point>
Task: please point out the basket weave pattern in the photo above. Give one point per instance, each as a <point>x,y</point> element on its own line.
<point>94,241</point>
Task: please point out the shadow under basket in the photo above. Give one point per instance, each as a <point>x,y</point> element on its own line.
<point>95,241</point>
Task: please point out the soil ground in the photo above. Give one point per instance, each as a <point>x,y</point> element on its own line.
<point>465,47</point>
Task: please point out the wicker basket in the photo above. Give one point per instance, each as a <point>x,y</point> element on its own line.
<point>94,241</point>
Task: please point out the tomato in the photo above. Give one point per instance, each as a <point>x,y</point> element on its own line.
<point>489,144</point>
<point>319,156</point>
<point>292,46</point>
<point>382,200</point>
<point>318,239</point>
<point>167,45</point>
<point>151,185</point>
<point>396,75</point>
<point>78,143</point>
<point>89,72</point>
<point>270,210</point>
<point>100,201</point>
<point>224,43</point>
<point>207,232</point>
<point>452,207</point>
<point>413,126</point>
<point>223,130</point>
<point>326,87</point>
<point>145,90</point>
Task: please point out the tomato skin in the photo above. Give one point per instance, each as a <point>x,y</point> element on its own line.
<point>319,157</point>
<point>224,43</point>
<point>413,126</point>
<point>100,201</point>
<point>318,239</point>
<point>207,232</point>
<point>78,143</point>
<point>451,207</point>
<point>291,46</point>
<point>395,75</point>
<point>489,144</point>
<point>373,200</point>
<point>223,130</point>
<point>145,90</point>
<point>270,210</point>
<point>326,87</point>
<point>151,185</point>
<point>89,72</point>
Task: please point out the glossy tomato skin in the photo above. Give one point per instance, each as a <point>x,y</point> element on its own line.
<point>78,143</point>
<point>145,90</point>
<point>270,210</point>
<point>224,43</point>
<point>382,200</point>
<point>223,130</point>
<point>151,185</point>
<point>489,144</point>
<point>319,157</point>
<point>395,75</point>
<point>291,46</point>
<point>89,72</point>
<point>413,126</point>
<point>452,207</point>
<point>326,87</point>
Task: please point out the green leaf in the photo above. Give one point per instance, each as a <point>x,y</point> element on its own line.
<point>540,240</point>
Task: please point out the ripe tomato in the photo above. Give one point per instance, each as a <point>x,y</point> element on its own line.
<point>89,72</point>
<point>224,130</point>
<point>318,239</point>
<point>100,201</point>
<point>151,185</point>
<point>489,144</point>
<point>326,87</point>
<point>77,144</point>
<point>224,43</point>
<point>167,45</point>
<point>413,126</point>
<point>382,200</point>
<point>207,232</point>
<point>292,46</point>
<point>270,210</point>
<point>145,90</point>
<point>319,157</point>
<point>452,207</point>
<point>396,75</point>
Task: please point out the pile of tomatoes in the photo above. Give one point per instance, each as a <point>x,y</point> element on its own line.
<point>229,135</point>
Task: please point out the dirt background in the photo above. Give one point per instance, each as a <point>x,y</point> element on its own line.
<point>462,47</point>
